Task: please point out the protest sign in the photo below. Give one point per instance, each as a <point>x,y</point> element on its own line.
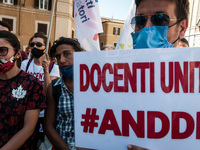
<point>149,98</point>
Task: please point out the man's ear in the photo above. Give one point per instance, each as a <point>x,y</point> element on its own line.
<point>18,54</point>
<point>183,28</point>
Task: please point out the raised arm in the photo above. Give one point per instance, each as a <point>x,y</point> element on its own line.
<point>47,77</point>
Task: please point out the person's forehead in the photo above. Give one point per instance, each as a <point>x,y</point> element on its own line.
<point>64,48</point>
<point>3,42</point>
<point>149,7</point>
<point>38,40</point>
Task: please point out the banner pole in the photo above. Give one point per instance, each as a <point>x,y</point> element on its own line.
<point>50,26</point>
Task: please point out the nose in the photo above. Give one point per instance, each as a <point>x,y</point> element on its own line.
<point>62,59</point>
<point>148,23</point>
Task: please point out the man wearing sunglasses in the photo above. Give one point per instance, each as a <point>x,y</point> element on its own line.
<point>159,23</point>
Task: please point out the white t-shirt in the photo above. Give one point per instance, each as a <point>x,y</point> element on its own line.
<point>38,72</point>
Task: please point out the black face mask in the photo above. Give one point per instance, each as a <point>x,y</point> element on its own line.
<point>37,53</point>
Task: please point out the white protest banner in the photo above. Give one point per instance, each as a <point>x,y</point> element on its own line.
<point>149,98</point>
<point>125,40</point>
<point>88,23</point>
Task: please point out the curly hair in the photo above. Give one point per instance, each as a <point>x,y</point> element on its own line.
<point>63,40</point>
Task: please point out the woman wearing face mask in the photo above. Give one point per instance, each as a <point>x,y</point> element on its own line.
<point>59,115</point>
<point>37,65</point>
<point>21,98</point>
<point>41,68</point>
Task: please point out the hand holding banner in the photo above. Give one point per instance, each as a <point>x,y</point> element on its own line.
<point>151,101</point>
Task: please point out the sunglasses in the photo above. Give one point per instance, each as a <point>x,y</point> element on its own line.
<point>139,22</point>
<point>38,44</point>
<point>3,51</point>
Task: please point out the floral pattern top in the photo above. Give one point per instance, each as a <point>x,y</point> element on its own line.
<point>18,94</point>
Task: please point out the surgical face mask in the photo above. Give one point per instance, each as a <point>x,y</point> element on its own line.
<point>37,53</point>
<point>67,72</point>
<point>151,37</point>
<point>6,65</point>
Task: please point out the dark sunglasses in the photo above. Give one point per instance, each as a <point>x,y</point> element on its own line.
<point>3,51</point>
<point>139,22</point>
<point>38,44</point>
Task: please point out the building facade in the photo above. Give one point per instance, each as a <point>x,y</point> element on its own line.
<point>111,31</point>
<point>29,16</point>
<point>193,31</point>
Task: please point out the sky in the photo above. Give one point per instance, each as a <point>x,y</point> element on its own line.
<point>116,9</point>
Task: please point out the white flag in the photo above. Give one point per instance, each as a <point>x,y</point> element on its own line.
<point>88,23</point>
<point>125,40</point>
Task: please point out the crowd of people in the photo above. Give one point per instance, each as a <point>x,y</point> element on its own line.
<point>37,103</point>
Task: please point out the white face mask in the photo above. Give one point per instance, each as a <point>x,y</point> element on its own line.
<point>3,61</point>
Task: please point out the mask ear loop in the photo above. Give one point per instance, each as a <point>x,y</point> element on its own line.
<point>175,40</point>
<point>173,25</point>
<point>14,59</point>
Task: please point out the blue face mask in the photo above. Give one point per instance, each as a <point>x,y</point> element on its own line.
<point>67,72</point>
<point>151,37</point>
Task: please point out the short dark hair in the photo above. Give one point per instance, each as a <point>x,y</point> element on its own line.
<point>11,39</point>
<point>40,35</point>
<point>5,24</point>
<point>63,40</point>
<point>185,41</point>
<point>182,7</point>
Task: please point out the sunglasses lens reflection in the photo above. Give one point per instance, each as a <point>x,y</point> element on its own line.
<point>160,19</point>
<point>139,22</point>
